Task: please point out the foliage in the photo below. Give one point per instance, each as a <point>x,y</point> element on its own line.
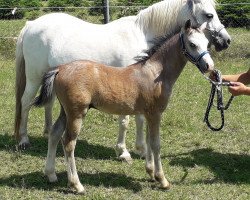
<point>6,13</point>
<point>56,3</point>
<point>233,14</point>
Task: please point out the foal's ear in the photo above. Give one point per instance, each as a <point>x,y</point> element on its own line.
<point>187,25</point>
<point>203,26</point>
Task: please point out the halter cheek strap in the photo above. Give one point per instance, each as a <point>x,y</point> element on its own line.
<point>189,56</point>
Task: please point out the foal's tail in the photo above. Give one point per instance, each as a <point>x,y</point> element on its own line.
<point>47,91</point>
<point>20,81</point>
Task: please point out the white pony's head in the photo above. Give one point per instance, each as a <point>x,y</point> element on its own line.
<point>170,15</point>
<point>201,11</point>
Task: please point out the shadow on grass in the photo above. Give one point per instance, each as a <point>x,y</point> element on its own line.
<point>39,148</point>
<point>229,168</point>
<point>37,180</point>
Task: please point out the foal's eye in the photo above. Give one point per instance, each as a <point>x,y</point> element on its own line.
<point>209,15</point>
<point>192,45</point>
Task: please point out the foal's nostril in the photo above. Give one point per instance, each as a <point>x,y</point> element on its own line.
<point>207,66</point>
<point>228,41</point>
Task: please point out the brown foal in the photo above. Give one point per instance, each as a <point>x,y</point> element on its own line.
<point>141,88</point>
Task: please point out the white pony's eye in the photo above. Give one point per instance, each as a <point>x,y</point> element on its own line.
<point>209,15</point>
<point>192,45</point>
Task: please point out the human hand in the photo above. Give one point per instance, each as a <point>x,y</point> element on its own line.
<point>237,88</point>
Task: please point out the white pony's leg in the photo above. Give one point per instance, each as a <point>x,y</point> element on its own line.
<point>140,141</point>
<point>153,138</point>
<point>48,117</point>
<point>69,141</point>
<point>30,91</point>
<point>54,137</point>
<point>121,150</point>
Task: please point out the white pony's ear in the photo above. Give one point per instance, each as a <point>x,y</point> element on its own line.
<point>196,1</point>
<point>203,26</point>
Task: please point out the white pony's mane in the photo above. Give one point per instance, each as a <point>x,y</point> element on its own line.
<point>154,17</point>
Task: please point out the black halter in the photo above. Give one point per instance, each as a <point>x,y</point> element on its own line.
<point>189,56</point>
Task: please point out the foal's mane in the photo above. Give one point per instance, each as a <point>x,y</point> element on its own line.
<point>157,43</point>
<point>162,16</point>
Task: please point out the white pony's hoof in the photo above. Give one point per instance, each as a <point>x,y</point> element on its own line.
<point>52,178</point>
<point>24,143</point>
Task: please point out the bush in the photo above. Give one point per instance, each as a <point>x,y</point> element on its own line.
<point>234,15</point>
<point>6,14</point>
<point>56,3</point>
<point>9,5</point>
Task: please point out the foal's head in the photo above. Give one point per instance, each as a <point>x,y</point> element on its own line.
<point>194,46</point>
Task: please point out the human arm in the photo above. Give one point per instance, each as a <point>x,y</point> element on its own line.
<point>239,82</point>
<point>242,77</point>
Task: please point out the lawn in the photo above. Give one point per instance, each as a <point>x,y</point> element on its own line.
<point>199,163</point>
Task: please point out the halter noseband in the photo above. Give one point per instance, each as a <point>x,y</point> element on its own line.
<point>189,56</point>
<point>215,32</point>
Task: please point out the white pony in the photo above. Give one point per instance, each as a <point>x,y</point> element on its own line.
<point>56,39</point>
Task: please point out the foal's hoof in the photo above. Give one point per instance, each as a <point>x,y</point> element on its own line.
<point>141,151</point>
<point>23,146</point>
<point>126,157</point>
<point>78,188</point>
<point>166,186</point>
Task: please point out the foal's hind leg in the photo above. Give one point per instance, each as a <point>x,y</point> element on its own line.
<point>140,141</point>
<point>30,91</point>
<point>54,137</point>
<point>48,117</point>
<point>121,150</point>
<point>69,141</point>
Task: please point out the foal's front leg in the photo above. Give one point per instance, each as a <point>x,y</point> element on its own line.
<point>153,141</point>
<point>69,142</point>
<point>120,148</point>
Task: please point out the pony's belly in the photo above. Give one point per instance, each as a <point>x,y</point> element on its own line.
<point>118,110</point>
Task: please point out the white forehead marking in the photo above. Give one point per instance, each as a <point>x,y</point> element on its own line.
<point>198,38</point>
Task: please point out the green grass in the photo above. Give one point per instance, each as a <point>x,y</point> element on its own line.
<point>199,163</point>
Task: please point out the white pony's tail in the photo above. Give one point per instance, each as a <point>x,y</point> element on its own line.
<point>20,80</point>
<point>47,91</point>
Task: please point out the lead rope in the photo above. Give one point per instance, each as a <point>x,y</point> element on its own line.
<point>217,88</point>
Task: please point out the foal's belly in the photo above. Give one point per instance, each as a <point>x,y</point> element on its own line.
<point>118,109</point>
